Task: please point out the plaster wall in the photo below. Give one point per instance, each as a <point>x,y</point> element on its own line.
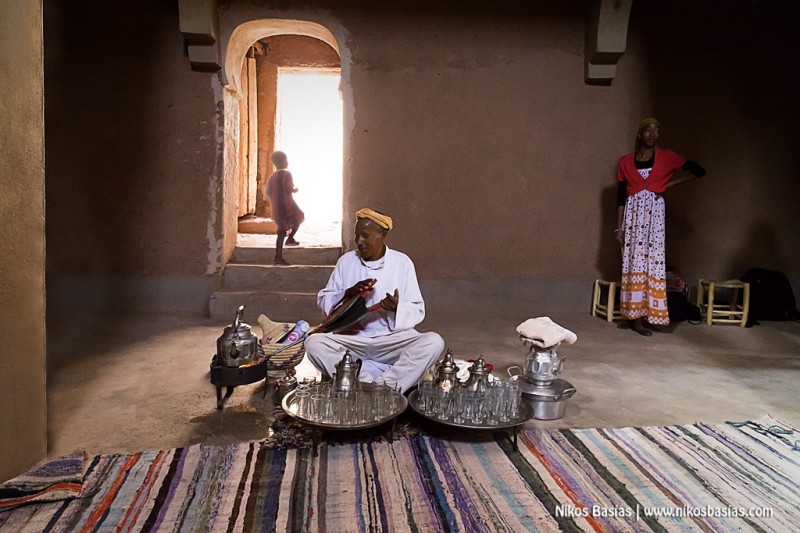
<point>471,126</point>
<point>474,129</point>
<point>22,298</point>
<point>134,162</point>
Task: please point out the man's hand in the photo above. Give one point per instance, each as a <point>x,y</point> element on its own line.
<point>390,302</point>
<point>357,288</point>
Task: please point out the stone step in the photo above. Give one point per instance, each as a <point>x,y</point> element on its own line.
<point>301,255</point>
<point>278,306</point>
<point>294,278</point>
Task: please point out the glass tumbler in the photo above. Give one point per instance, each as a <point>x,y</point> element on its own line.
<point>380,397</point>
<point>479,408</point>
<point>337,406</point>
<point>318,405</point>
<point>460,405</point>
<point>301,398</point>
<point>424,393</point>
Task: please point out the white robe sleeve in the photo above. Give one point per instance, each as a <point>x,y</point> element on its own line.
<point>333,292</point>
<point>410,307</point>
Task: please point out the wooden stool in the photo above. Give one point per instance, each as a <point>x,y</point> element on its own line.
<point>731,313</point>
<point>608,309</point>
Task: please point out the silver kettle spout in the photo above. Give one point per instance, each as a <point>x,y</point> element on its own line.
<point>238,320</point>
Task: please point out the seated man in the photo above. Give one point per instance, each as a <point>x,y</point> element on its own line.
<point>385,340</point>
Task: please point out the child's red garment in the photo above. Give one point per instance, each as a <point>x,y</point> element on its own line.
<point>285,211</point>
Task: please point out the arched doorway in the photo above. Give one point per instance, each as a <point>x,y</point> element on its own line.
<point>256,63</point>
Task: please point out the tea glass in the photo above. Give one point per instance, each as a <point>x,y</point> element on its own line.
<point>424,393</point>
<point>479,408</point>
<point>301,399</point>
<point>460,405</point>
<point>319,404</point>
<point>380,398</point>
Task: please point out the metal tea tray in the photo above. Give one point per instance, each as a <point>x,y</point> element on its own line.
<point>290,408</point>
<point>525,414</point>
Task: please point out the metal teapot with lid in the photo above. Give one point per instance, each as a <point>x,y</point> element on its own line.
<point>542,365</point>
<point>287,383</point>
<point>478,380</point>
<point>237,345</point>
<point>445,373</point>
<point>346,377</point>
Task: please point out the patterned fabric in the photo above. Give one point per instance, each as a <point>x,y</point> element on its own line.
<point>52,481</point>
<point>644,285</point>
<point>725,477</point>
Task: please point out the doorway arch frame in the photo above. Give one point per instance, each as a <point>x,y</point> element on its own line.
<point>239,42</point>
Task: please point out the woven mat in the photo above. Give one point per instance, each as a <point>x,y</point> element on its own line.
<point>695,477</point>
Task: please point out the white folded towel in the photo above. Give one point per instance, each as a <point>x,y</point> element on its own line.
<point>545,333</point>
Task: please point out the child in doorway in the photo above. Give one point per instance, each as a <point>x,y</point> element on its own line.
<point>285,212</point>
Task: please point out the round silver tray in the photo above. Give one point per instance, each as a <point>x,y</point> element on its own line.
<point>290,408</point>
<point>525,414</point>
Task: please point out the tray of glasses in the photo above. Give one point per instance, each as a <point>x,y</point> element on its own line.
<point>525,414</point>
<point>350,411</point>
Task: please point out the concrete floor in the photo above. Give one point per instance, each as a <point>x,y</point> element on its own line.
<point>127,383</point>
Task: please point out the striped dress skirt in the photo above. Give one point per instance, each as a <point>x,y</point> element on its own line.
<point>644,284</point>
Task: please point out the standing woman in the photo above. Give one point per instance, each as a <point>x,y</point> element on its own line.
<point>643,177</point>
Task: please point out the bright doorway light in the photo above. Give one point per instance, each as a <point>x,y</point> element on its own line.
<point>309,129</point>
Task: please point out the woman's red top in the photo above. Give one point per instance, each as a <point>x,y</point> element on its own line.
<point>665,165</point>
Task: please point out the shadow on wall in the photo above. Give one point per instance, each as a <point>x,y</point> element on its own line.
<point>609,257</point>
<point>759,248</point>
<point>743,213</point>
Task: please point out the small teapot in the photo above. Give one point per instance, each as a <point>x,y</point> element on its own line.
<point>347,370</point>
<point>237,345</point>
<point>478,380</point>
<point>444,375</point>
<point>287,383</point>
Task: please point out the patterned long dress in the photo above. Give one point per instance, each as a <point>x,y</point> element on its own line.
<point>644,284</point>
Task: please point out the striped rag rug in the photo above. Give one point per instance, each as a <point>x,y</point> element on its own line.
<point>698,477</point>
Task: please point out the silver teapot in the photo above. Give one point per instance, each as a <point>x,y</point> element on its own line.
<point>346,377</point>
<point>445,373</point>
<point>237,345</point>
<point>287,383</point>
<point>478,380</point>
<point>542,365</point>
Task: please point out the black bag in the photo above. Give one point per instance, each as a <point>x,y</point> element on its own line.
<point>677,306</point>
<point>680,309</point>
<point>771,295</point>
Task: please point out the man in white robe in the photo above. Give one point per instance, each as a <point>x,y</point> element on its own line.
<point>385,340</point>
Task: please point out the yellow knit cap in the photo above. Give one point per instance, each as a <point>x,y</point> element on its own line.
<point>384,221</point>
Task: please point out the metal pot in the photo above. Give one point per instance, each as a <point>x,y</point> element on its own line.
<point>478,379</point>
<point>237,345</point>
<point>346,376</point>
<point>542,365</point>
<point>287,383</point>
<point>445,374</point>
<point>548,402</point>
